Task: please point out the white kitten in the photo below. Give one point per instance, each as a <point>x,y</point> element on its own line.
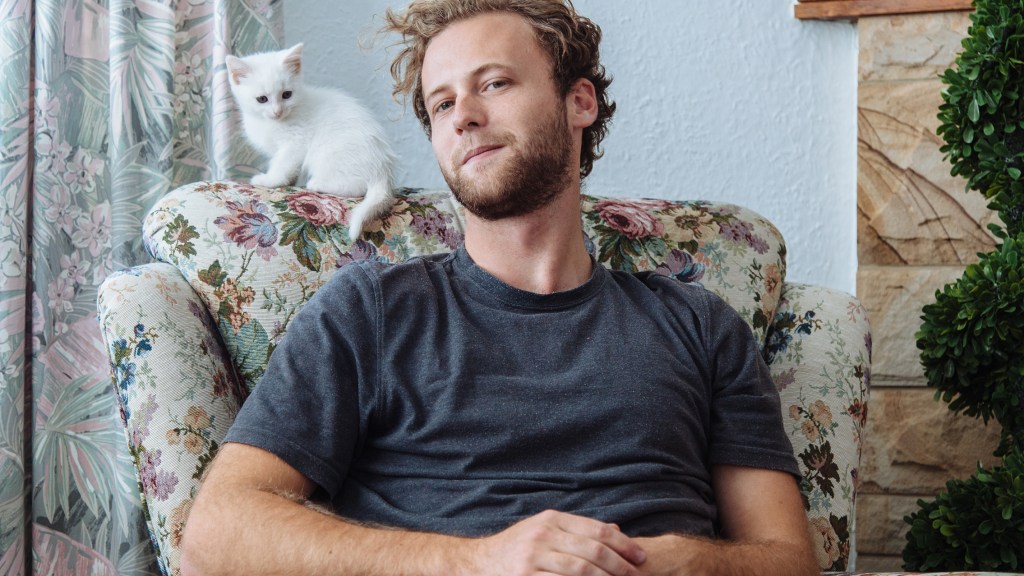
<point>321,133</point>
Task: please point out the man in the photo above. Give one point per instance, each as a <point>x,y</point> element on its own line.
<point>511,408</point>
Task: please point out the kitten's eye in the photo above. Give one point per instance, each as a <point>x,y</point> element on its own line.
<point>262,99</point>
<point>286,94</point>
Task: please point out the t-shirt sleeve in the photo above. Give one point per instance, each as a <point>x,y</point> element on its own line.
<point>746,419</point>
<point>309,407</point>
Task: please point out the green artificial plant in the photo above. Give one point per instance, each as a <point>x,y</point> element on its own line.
<point>972,336</point>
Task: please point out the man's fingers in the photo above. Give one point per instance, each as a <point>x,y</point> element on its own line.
<point>559,543</point>
<point>580,555</point>
<point>607,534</point>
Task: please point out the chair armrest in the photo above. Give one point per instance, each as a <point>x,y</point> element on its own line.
<point>177,391</point>
<point>819,353</point>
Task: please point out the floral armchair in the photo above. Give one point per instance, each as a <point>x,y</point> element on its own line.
<point>189,336</point>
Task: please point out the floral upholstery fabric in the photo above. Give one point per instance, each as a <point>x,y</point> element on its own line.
<point>189,337</point>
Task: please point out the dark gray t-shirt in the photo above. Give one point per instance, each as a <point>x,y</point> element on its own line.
<point>429,395</point>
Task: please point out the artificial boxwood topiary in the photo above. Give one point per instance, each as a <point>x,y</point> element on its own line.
<point>982,115</point>
<point>978,522</point>
<point>972,342</point>
<point>972,337</point>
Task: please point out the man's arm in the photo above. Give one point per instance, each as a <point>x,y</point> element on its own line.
<point>764,527</point>
<point>250,518</point>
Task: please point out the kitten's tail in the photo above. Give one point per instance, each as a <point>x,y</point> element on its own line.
<point>377,203</point>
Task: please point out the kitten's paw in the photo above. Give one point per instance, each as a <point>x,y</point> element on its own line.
<point>268,181</point>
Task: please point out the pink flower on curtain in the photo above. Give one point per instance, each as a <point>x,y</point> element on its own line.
<point>61,293</point>
<point>52,156</point>
<point>189,70</point>
<point>93,231</point>
<point>190,88</point>
<point>57,206</point>
<point>12,259</point>
<point>81,171</point>
<point>73,268</point>
<point>44,153</point>
<point>47,109</point>
<point>6,346</point>
<point>12,211</point>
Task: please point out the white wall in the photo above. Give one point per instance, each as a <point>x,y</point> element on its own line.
<point>733,101</point>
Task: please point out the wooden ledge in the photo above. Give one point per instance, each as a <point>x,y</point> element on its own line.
<point>848,9</point>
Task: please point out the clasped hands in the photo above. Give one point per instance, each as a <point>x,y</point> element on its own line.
<point>557,543</point>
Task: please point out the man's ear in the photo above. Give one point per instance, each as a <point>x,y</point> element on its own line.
<point>581,103</point>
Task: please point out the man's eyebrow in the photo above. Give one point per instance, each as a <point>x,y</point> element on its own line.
<point>479,71</point>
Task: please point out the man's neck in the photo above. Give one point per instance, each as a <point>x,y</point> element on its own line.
<point>541,252</point>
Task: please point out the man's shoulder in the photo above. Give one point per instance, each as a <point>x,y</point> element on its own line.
<point>666,288</point>
<point>380,271</point>
<point>677,296</point>
<point>380,281</point>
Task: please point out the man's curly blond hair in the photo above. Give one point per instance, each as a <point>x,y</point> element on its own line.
<point>570,40</point>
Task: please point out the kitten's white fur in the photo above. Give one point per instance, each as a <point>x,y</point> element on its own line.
<point>321,133</point>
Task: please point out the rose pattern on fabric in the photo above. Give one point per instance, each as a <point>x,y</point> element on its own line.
<point>828,546</point>
<point>249,227</point>
<point>826,420</point>
<point>682,266</point>
<point>631,218</point>
<point>318,209</point>
<point>818,362</point>
<point>194,434</point>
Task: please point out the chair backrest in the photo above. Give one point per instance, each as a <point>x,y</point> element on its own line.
<point>190,335</point>
<point>255,256</point>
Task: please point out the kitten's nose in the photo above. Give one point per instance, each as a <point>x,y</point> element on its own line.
<point>278,112</point>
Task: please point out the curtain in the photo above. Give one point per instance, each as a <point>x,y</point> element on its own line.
<point>104,107</point>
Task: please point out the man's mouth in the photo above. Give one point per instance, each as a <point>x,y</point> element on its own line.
<point>478,151</point>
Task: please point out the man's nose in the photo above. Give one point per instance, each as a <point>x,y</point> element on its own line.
<point>469,114</point>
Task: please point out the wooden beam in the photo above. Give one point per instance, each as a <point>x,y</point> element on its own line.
<point>846,9</point>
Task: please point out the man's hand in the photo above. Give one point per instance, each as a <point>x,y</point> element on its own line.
<point>557,543</point>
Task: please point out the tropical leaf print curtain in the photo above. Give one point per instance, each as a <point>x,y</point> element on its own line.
<point>104,107</point>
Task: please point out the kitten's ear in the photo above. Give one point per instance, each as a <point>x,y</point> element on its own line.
<point>293,61</point>
<point>237,68</point>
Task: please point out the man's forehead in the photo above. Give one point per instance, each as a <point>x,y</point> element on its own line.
<point>494,38</point>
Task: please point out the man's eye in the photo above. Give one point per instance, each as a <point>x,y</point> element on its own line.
<point>262,99</point>
<point>443,106</point>
<point>286,94</point>
<point>497,84</point>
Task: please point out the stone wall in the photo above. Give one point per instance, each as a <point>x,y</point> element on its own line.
<point>917,229</point>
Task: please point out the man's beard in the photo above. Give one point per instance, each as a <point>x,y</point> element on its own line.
<point>530,180</point>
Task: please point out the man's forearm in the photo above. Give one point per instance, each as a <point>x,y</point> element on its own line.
<point>681,555</point>
<point>258,532</point>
